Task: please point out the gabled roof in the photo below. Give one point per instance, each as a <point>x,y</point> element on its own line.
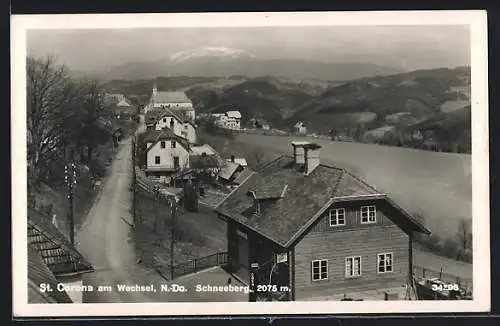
<point>243,175</point>
<point>228,170</point>
<point>38,273</point>
<point>239,160</point>
<point>171,97</point>
<point>154,136</point>
<point>169,113</point>
<point>304,199</point>
<point>124,102</point>
<point>153,114</point>
<point>57,252</point>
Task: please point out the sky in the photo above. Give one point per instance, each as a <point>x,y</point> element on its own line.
<point>407,47</point>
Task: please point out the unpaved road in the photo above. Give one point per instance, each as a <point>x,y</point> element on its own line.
<point>105,240</point>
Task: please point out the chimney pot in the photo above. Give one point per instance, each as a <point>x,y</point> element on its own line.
<point>311,157</point>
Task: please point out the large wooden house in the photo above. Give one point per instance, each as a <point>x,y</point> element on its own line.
<point>317,231</point>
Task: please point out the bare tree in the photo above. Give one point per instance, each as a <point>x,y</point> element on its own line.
<point>49,92</point>
<point>258,156</point>
<point>464,234</point>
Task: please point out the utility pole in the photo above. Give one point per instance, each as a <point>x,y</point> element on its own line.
<point>173,207</point>
<point>70,179</point>
<point>133,181</point>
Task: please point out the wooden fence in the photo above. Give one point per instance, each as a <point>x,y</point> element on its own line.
<point>198,264</point>
<point>423,272</point>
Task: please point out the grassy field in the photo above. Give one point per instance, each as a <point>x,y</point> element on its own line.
<point>196,234</point>
<point>436,185</point>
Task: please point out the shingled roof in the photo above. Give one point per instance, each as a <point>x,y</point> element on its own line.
<point>293,198</point>
<point>38,273</point>
<point>154,136</point>
<point>171,97</point>
<point>57,252</point>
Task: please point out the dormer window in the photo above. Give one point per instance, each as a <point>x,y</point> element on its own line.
<point>368,214</point>
<point>337,216</point>
<point>255,209</point>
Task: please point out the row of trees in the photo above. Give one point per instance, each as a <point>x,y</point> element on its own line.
<point>63,120</point>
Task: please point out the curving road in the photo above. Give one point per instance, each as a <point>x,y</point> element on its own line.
<point>105,240</point>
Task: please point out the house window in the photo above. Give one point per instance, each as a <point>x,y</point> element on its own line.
<point>185,126</point>
<point>176,162</point>
<point>319,269</point>
<point>384,262</point>
<point>368,214</point>
<point>162,144</point>
<point>164,119</point>
<point>337,217</point>
<point>173,143</point>
<point>353,266</point>
<point>157,160</point>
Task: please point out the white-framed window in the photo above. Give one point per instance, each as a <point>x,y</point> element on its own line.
<point>337,216</point>
<point>353,266</point>
<point>319,269</point>
<point>384,262</point>
<point>173,144</point>
<point>368,214</point>
<point>157,160</point>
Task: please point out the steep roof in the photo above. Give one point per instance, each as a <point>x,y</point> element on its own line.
<point>228,170</point>
<point>57,252</point>
<point>171,97</point>
<point>243,175</point>
<point>153,114</point>
<point>38,273</point>
<point>304,197</point>
<point>239,160</point>
<point>154,136</point>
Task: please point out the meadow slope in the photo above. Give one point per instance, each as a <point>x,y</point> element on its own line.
<point>437,185</point>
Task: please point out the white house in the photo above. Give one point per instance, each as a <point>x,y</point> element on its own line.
<point>300,128</point>
<point>177,101</point>
<point>229,120</point>
<point>185,129</point>
<point>166,153</point>
<point>58,254</point>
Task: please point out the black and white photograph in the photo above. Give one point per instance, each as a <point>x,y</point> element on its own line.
<point>312,162</point>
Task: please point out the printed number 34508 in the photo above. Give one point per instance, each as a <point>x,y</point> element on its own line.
<point>445,287</point>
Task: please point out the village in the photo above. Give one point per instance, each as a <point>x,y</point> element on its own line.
<point>290,229</point>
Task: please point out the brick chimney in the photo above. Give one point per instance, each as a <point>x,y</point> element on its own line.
<point>298,151</point>
<point>232,158</point>
<point>311,157</point>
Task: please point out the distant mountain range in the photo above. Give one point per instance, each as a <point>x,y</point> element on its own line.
<point>224,62</point>
<point>436,101</point>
